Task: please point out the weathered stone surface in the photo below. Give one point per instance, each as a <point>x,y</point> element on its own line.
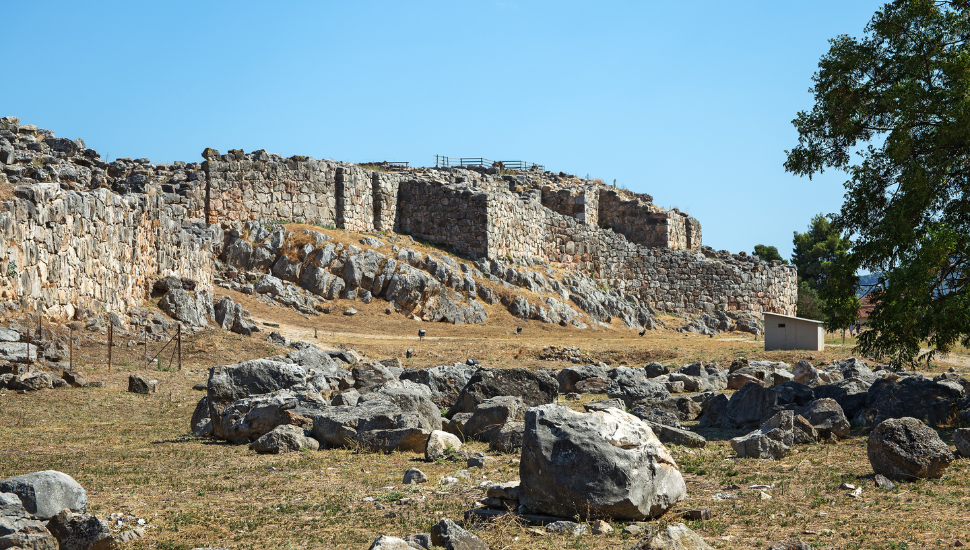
<point>138,383</point>
<point>534,388</point>
<point>13,515</point>
<point>285,438</point>
<point>850,393</point>
<point>389,419</point>
<point>907,449</point>
<point>182,306</point>
<point>385,542</point>
<point>368,376</point>
<point>81,532</point>
<point>827,417</point>
<point>773,440</point>
<point>670,435</point>
<point>676,536</point>
<point>46,493</point>
<point>570,376</point>
<point>605,463</point>
<point>33,537</point>
<point>450,536</point>
<point>445,381</point>
<point>490,415</point>
<point>414,475</point>
<point>253,417</point>
<point>439,444</point>
<point>751,405</point>
<point>961,438</point>
<point>508,439</point>
<point>925,400</point>
<point>632,386</point>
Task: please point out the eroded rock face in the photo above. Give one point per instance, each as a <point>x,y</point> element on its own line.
<point>926,400</point>
<point>445,381</point>
<point>603,464</point>
<point>46,493</point>
<point>285,438</point>
<point>392,418</point>
<point>772,440</point>
<point>907,449</point>
<point>81,532</point>
<point>253,417</point>
<point>534,388</point>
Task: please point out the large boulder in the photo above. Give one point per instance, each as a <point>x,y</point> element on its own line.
<point>253,417</point>
<point>445,381</point>
<point>907,449</point>
<point>448,535</point>
<point>398,417</point>
<point>633,387</point>
<point>230,383</point>
<point>599,464</point>
<point>285,438</point>
<point>570,376</point>
<point>81,532</point>
<point>827,417</point>
<point>46,493</point>
<point>492,414</point>
<point>534,388</point>
<point>926,400</point>
<point>698,378</point>
<point>368,376</point>
<point>772,440</point>
<point>851,394</point>
<point>752,405</point>
<point>180,305</point>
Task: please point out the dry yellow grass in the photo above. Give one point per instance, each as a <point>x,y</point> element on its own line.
<point>133,453</point>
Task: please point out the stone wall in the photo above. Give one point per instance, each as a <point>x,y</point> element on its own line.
<point>582,204</point>
<point>94,249</point>
<point>452,215</point>
<point>261,186</point>
<point>385,190</point>
<point>647,224</point>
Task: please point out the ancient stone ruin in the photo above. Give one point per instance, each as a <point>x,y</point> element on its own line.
<point>82,232</point>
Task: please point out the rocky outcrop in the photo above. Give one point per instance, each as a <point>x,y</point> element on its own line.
<point>772,440</point>
<point>46,493</point>
<point>532,387</point>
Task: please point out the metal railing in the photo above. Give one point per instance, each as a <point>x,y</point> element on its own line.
<point>441,161</point>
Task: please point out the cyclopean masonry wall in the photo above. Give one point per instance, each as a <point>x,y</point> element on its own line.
<point>83,232</point>
<point>94,249</point>
<point>644,223</point>
<point>667,279</point>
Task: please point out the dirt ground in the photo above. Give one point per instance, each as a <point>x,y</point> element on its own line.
<point>133,453</point>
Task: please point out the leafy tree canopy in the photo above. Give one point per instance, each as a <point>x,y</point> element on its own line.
<point>768,253</point>
<point>816,247</point>
<point>892,110</point>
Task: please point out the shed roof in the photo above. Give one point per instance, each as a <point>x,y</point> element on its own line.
<point>793,317</point>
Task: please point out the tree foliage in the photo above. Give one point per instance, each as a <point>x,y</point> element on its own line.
<point>768,253</point>
<point>892,110</point>
<point>815,248</point>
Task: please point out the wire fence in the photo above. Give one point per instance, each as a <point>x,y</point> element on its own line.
<point>441,161</point>
<point>77,346</point>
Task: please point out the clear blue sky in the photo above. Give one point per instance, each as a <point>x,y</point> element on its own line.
<point>690,102</point>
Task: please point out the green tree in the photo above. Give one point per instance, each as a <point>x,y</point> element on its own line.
<point>815,248</point>
<point>892,110</point>
<point>768,253</point>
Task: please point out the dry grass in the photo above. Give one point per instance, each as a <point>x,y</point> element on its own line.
<point>133,453</point>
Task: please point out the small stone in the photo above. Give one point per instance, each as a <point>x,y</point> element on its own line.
<point>847,486</point>
<point>697,514</point>
<point>441,445</point>
<point>601,527</point>
<point>857,493</point>
<point>764,496</point>
<point>958,543</point>
<point>448,480</point>
<point>414,475</point>
<point>632,530</point>
<point>884,483</point>
<point>350,312</point>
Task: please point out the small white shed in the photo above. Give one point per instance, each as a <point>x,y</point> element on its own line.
<point>787,332</point>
